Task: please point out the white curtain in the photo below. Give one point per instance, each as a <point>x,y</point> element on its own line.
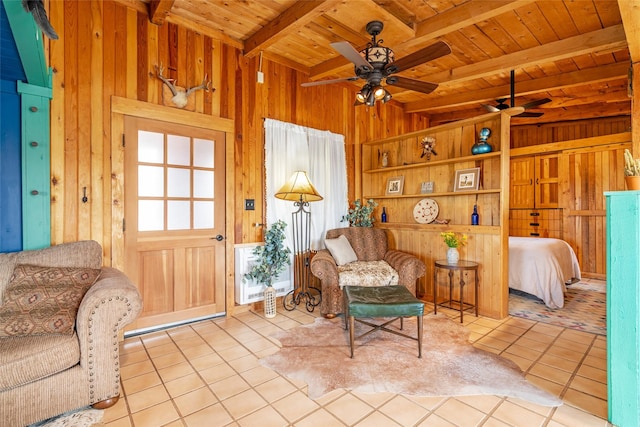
<point>321,154</point>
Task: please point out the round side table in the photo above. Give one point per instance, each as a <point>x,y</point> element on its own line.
<point>461,266</point>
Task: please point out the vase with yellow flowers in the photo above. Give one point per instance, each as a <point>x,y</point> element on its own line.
<point>631,171</point>
<point>453,241</point>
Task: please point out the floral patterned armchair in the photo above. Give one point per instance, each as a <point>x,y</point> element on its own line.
<point>369,244</point>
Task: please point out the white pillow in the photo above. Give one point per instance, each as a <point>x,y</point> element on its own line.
<point>341,250</point>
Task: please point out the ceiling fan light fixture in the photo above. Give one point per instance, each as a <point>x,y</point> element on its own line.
<point>387,97</point>
<point>371,100</point>
<point>379,93</point>
<point>362,96</point>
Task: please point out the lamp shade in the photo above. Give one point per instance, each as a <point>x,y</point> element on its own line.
<point>298,188</point>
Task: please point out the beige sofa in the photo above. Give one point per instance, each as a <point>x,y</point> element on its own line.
<point>369,244</point>
<point>45,375</point>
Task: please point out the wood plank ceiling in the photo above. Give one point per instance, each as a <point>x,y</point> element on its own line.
<point>574,52</point>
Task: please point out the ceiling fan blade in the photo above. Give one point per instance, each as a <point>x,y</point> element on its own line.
<point>411,84</point>
<point>535,103</point>
<point>490,108</point>
<point>421,56</point>
<point>326,82</point>
<point>345,49</point>
<point>528,114</point>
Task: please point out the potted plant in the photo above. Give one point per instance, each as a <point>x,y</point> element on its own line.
<point>360,215</point>
<point>453,241</point>
<point>272,258</point>
<point>631,171</point>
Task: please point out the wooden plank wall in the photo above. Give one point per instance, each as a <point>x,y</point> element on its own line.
<point>528,135</point>
<point>108,49</point>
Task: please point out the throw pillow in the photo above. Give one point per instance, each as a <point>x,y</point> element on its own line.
<point>341,250</point>
<point>44,300</point>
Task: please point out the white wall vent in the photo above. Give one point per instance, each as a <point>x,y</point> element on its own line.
<point>248,291</point>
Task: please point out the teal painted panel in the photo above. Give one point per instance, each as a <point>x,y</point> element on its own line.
<point>623,307</point>
<point>36,190</point>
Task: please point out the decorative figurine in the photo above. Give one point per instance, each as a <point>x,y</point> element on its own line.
<point>482,147</point>
<point>428,142</point>
<point>385,159</point>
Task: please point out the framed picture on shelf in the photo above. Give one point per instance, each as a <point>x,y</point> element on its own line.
<point>467,180</point>
<point>394,186</point>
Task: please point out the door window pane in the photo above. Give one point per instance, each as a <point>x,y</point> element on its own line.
<point>203,184</point>
<point>178,150</point>
<point>203,215</point>
<point>150,147</point>
<point>150,215</point>
<point>178,215</point>
<point>203,153</point>
<point>150,181</point>
<point>178,182</point>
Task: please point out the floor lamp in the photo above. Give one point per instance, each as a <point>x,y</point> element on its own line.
<point>300,190</point>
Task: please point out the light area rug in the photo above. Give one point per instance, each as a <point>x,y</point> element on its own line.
<point>585,308</point>
<point>318,354</point>
<point>83,417</point>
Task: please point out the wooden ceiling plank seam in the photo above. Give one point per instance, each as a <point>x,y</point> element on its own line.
<point>583,14</point>
<point>556,11</point>
<point>158,10</point>
<point>630,14</point>
<point>479,38</point>
<point>218,19</point>
<point>514,26</point>
<point>535,21</point>
<point>608,11</point>
<point>207,31</point>
<point>608,38</point>
<point>565,80</point>
<point>295,16</point>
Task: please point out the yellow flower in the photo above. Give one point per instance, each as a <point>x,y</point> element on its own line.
<point>454,240</point>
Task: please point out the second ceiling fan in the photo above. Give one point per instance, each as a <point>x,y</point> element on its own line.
<point>376,63</point>
<point>502,102</point>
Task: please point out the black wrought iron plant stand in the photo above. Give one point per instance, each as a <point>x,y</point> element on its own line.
<point>302,290</point>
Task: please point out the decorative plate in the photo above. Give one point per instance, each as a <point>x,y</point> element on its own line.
<point>425,211</point>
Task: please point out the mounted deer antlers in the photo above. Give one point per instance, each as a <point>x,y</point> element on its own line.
<point>180,96</point>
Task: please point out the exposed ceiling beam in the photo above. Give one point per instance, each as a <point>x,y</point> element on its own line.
<point>463,16</point>
<point>158,10</point>
<point>551,115</point>
<point>630,13</point>
<point>608,39</point>
<point>576,78</point>
<point>296,16</point>
<point>444,23</point>
<point>28,38</point>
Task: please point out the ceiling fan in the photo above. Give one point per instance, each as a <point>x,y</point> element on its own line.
<point>376,63</point>
<point>502,103</point>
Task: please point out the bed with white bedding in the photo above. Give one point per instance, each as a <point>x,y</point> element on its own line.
<point>541,267</point>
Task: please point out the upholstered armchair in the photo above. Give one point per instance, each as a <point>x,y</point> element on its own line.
<point>52,358</point>
<point>369,244</point>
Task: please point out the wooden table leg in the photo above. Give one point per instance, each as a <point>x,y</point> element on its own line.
<point>461,294</point>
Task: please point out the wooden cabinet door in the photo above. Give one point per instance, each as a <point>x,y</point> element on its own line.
<point>546,179</point>
<point>521,195</point>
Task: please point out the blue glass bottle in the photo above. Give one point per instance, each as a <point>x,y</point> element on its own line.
<point>475,218</point>
<point>384,215</point>
<point>482,146</point>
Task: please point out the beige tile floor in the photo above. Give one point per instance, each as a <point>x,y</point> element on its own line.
<point>207,374</point>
